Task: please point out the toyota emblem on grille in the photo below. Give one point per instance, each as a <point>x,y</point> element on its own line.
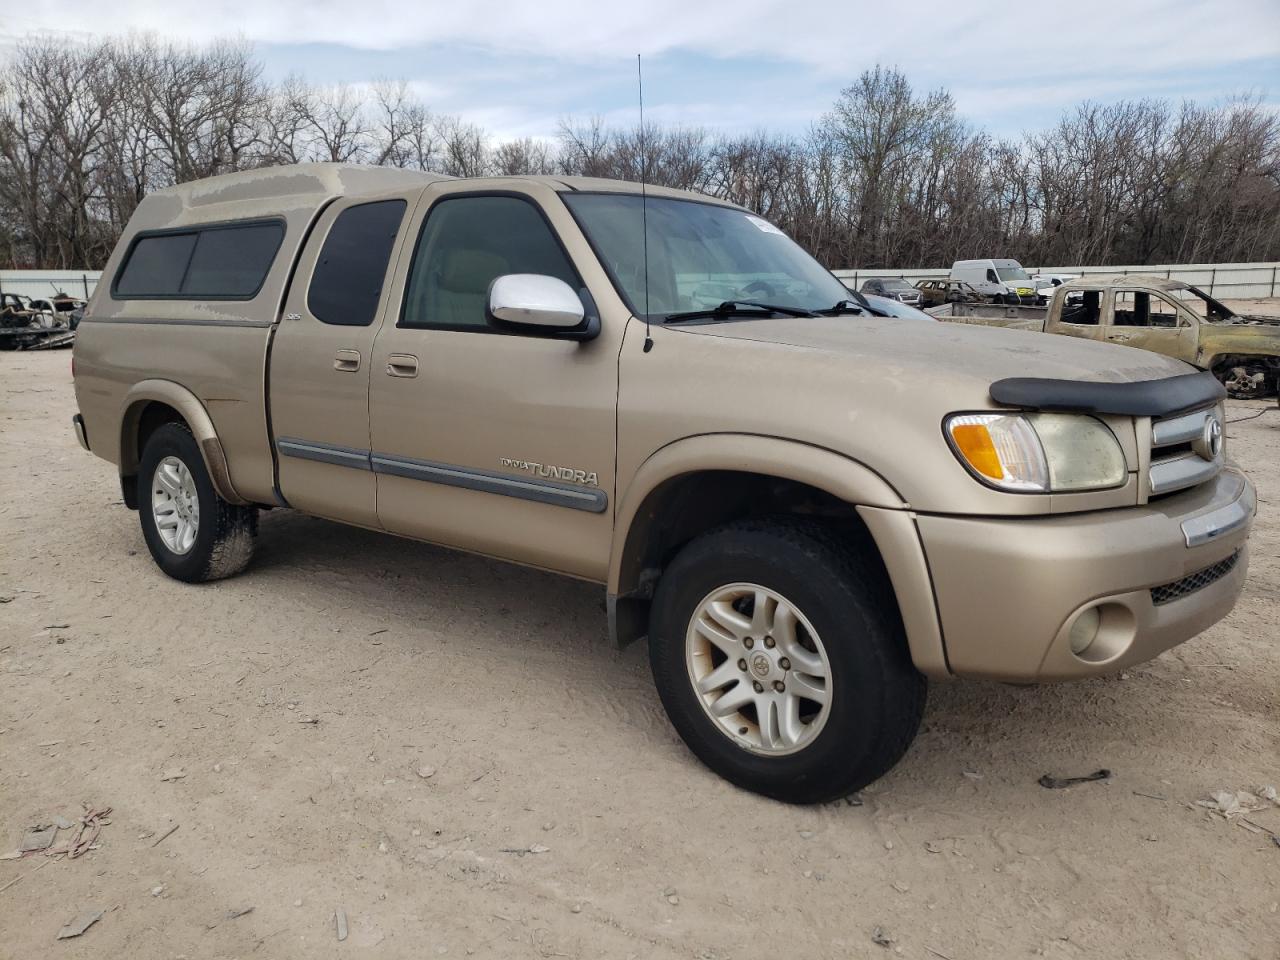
<point>1211,440</point>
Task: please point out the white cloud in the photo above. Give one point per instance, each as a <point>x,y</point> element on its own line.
<point>971,41</point>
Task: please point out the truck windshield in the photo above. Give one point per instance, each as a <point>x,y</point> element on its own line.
<point>1013,275</point>
<point>700,255</point>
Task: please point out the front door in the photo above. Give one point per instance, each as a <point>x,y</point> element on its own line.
<point>1149,321</point>
<point>490,441</point>
<point>320,358</point>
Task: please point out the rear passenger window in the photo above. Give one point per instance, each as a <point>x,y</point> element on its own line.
<point>347,282</point>
<point>467,243</point>
<point>222,262</point>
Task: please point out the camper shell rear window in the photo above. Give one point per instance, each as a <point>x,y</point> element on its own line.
<point>217,261</point>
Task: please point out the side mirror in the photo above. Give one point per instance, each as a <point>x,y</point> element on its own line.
<point>538,305</point>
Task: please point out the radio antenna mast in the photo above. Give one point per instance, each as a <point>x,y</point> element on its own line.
<point>644,203</point>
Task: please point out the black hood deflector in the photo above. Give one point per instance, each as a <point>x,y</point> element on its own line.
<point>1144,398</point>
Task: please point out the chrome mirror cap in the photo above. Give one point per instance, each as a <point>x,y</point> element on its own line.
<point>534,300</point>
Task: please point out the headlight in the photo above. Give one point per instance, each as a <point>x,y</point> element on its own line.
<point>1037,452</point>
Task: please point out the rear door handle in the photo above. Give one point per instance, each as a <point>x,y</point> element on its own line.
<point>348,361</point>
<point>402,365</point>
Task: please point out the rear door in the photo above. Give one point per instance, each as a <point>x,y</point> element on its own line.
<point>320,358</point>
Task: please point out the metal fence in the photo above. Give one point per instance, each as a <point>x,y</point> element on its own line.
<point>1222,280</point>
<point>45,283</point>
<point>1227,281</point>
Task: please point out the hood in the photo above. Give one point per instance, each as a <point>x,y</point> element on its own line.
<point>925,351</point>
<point>1249,319</point>
<point>873,389</point>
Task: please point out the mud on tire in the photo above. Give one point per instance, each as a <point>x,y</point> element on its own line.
<point>225,533</point>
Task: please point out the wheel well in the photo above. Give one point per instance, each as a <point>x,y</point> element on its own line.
<point>150,417</point>
<point>684,507</point>
<point>140,421</point>
<point>1222,365</point>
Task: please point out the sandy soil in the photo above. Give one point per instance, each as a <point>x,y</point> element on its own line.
<point>541,736</point>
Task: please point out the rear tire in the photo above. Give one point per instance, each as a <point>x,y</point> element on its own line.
<point>193,534</point>
<point>851,651</point>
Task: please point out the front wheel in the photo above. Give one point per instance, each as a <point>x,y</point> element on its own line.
<point>1244,379</point>
<point>779,655</point>
<point>193,534</point>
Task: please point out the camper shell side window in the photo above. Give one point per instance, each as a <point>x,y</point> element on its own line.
<point>216,261</point>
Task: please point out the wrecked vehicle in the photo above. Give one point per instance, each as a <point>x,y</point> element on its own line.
<point>1151,313</point>
<point>936,292</point>
<point>30,325</point>
<point>806,509</point>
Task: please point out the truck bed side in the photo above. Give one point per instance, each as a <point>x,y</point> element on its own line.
<point>993,315</point>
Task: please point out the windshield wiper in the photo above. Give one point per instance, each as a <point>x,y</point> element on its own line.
<point>738,308</point>
<point>859,305</point>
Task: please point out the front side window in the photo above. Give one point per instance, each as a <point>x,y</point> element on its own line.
<point>1201,304</point>
<point>700,255</point>
<point>346,284</point>
<point>220,262</point>
<point>466,244</point>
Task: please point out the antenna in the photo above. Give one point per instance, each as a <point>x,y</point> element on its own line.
<point>644,203</point>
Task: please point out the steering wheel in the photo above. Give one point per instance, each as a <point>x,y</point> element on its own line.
<point>759,286</point>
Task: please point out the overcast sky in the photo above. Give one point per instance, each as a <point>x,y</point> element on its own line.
<point>516,68</point>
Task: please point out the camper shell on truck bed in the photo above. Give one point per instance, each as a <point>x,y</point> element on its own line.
<point>805,508</point>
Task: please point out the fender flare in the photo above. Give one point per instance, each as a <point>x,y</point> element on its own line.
<point>197,418</point>
<point>888,517</point>
<point>815,466</point>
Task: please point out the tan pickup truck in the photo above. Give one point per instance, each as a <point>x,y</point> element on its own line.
<point>807,509</point>
<point>1151,313</point>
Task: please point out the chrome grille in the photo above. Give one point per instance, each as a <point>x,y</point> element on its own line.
<point>1195,581</point>
<point>1185,450</point>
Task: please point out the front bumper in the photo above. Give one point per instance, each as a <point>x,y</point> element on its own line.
<point>1009,590</point>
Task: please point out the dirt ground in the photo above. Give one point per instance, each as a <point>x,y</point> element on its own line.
<point>298,706</point>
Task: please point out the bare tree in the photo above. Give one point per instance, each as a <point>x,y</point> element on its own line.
<point>889,177</point>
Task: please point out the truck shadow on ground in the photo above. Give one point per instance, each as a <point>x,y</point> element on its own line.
<point>558,627</point>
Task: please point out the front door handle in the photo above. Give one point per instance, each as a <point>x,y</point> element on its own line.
<point>348,361</point>
<point>402,365</point>
<point>1121,336</point>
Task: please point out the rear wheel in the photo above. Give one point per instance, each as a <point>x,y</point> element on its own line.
<point>193,534</point>
<point>780,658</point>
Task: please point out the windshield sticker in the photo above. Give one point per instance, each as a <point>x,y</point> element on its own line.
<point>765,226</point>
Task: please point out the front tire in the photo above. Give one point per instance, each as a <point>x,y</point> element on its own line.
<point>780,657</point>
<point>193,534</point>
<point>1243,379</point>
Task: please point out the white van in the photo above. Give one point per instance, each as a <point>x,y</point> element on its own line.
<point>1001,280</point>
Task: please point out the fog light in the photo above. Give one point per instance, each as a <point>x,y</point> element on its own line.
<point>1085,630</point>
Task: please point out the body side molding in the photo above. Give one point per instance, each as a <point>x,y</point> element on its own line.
<point>590,499</point>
